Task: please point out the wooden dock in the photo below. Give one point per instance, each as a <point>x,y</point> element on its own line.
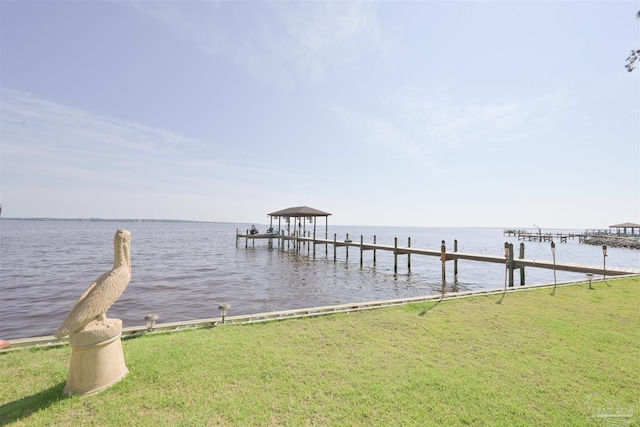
<point>533,236</point>
<point>509,259</point>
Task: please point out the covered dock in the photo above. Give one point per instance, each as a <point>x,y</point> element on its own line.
<point>623,227</point>
<point>301,215</point>
<point>295,225</point>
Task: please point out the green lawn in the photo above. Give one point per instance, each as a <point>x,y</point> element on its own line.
<point>523,358</point>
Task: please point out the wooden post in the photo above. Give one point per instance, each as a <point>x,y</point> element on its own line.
<point>304,232</point>
<point>326,235</point>
<point>521,268</point>
<point>334,247</point>
<point>443,258</point>
<point>346,247</point>
<point>395,254</point>
<point>409,256</point>
<point>314,240</point>
<point>455,261</point>
<point>246,239</point>
<point>361,250</point>
<point>510,265</point>
<point>374,251</point>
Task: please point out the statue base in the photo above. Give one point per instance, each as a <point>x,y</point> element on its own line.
<point>97,360</point>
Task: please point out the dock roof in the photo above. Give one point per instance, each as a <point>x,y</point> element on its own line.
<point>299,211</point>
<point>625,225</point>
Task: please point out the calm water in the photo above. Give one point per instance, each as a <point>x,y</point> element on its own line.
<point>182,271</point>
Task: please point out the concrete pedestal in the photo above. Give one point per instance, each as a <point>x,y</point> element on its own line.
<point>97,360</point>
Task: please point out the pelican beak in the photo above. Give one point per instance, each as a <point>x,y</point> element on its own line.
<point>124,238</point>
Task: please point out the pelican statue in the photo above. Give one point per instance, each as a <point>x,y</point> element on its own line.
<point>101,294</point>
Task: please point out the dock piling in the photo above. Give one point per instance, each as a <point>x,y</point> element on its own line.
<point>521,268</point>
<point>346,247</point>
<point>455,261</point>
<point>506,264</point>
<point>510,263</point>
<point>409,256</point>
<point>395,255</point>
<point>443,258</point>
<point>374,251</point>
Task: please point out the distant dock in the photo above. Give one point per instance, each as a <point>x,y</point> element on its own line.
<point>532,236</point>
<point>617,239</point>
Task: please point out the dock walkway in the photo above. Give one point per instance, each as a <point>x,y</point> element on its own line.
<point>508,259</point>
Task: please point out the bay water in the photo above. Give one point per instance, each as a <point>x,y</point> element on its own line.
<point>184,270</point>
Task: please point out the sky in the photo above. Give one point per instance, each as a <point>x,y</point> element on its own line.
<point>390,113</point>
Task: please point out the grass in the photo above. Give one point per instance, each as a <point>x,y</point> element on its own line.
<point>525,358</point>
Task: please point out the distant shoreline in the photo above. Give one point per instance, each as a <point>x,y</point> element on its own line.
<point>117,220</point>
<point>149,220</point>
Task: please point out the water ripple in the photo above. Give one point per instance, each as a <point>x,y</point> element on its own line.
<point>182,271</point>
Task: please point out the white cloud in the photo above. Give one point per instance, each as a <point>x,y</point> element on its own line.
<point>52,149</point>
<point>421,127</point>
<point>442,123</point>
<point>85,162</point>
<point>386,139</point>
<point>274,38</point>
<point>66,135</point>
<point>328,35</point>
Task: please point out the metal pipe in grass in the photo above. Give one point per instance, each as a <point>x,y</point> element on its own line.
<point>506,270</point>
<point>604,262</point>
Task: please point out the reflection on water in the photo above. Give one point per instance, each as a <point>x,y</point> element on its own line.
<point>183,271</point>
